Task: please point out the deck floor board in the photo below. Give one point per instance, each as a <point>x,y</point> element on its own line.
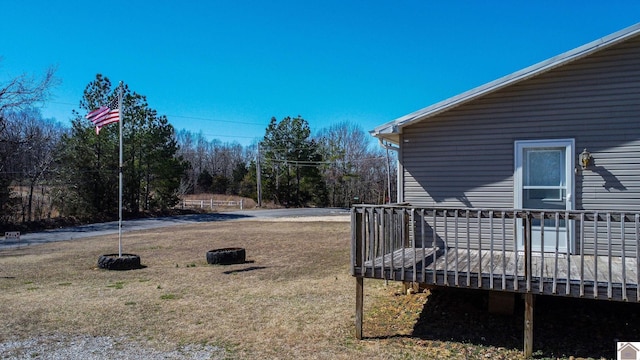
<point>499,268</point>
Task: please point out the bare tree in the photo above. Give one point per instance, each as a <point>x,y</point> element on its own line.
<point>33,159</point>
<point>355,168</point>
<point>24,91</point>
<point>212,162</point>
<point>17,94</point>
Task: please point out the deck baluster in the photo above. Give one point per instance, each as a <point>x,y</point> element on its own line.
<point>581,254</point>
<point>379,237</point>
<point>609,254</point>
<point>445,246</point>
<point>354,240</point>
<point>504,251</point>
<point>402,224</point>
<point>554,287</point>
<point>479,216</point>
<point>433,245</point>
<point>595,252</point>
<point>624,258</point>
<point>372,235</point>
<point>515,250</point>
<point>491,249</point>
<point>568,254</point>
<point>455,240</point>
<point>467,216</point>
<point>542,218</point>
<point>423,237</point>
<point>394,238</point>
<point>387,237</point>
<point>363,235</point>
<point>412,232</point>
<point>637,224</point>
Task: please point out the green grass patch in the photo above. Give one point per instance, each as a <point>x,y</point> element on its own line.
<point>116,285</point>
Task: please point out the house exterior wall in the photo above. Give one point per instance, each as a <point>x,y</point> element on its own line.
<point>464,157</point>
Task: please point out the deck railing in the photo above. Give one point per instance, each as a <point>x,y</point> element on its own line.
<point>592,254</point>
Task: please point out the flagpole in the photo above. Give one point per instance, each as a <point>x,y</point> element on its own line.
<point>120,172</point>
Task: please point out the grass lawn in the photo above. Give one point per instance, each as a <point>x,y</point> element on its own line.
<point>293,298</point>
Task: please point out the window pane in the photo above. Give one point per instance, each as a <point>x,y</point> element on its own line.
<point>544,167</point>
<point>544,198</point>
<point>540,194</point>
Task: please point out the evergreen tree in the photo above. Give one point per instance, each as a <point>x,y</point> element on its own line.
<point>89,162</point>
<point>238,175</point>
<point>152,172</point>
<point>291,160</point>
<point>205,180</point>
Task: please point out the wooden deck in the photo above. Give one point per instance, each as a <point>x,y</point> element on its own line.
<point>474,248</point>
<point>587,276</point>
<point>495,250</point>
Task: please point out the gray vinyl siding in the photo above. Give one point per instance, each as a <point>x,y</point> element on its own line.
<point>464,157</point>
<point>448,235</point>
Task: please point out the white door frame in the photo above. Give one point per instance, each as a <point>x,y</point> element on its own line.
<point>569,145</point>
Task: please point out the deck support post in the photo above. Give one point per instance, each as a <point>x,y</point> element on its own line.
<point>359,306</point>
<point>528,325</point>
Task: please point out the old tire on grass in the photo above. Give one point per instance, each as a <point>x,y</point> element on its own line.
<point>115,262</point>
<point>226,256</point>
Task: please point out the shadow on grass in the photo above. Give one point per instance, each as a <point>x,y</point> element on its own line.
<point>250,268</point>
<point>562,326</point>
<point>128,269</point>
<point>210,217</point>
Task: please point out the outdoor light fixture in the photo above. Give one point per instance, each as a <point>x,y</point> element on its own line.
<point>585,158</point>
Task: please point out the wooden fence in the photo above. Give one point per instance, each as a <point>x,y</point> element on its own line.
<point>210,204</point>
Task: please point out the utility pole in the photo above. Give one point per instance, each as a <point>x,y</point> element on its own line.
<point>259,177</point>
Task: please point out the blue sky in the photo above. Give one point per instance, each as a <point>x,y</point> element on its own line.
<point>226,67</point>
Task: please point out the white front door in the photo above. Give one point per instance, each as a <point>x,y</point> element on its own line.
<point>544,180</point>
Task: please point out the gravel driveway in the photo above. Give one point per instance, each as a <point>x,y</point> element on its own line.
<point>97,348</point>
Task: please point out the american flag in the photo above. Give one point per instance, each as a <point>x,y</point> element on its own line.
<point>105,115</point>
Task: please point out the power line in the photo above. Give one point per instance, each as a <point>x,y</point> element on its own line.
<point>202,119</point>
<point>306,162</point>
<point>215,120</point>
<point>189,117</point>
<point>229,136</point>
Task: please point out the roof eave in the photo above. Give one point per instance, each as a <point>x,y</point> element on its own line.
<point>387,132</point>
<point>395,126</point>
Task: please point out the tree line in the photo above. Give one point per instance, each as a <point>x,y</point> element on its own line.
<point>52,170</point>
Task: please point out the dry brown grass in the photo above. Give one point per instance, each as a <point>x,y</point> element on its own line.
<point>294,298</point>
